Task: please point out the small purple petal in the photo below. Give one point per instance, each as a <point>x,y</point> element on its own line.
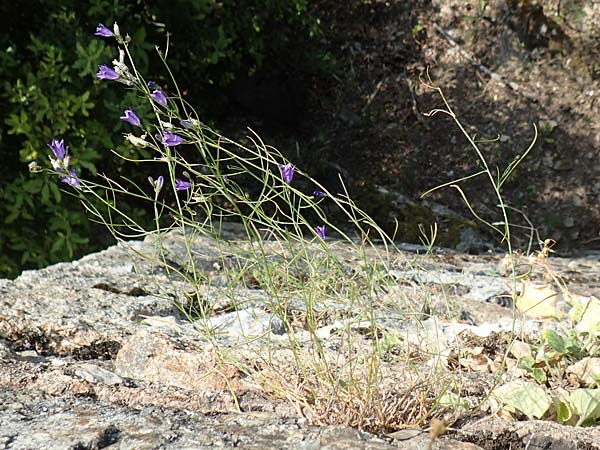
<point>159,97</point>
<point>72,179</point>
<point>103,31</point>
<point>320,230</point>
<point>58,148</point>
<point>106,73</point>
<point>318,193</point>
<point>182,185</point>
<point>131,117</point>
<point>287,171</point>
<point>169,139</point>
<point>152,85</point>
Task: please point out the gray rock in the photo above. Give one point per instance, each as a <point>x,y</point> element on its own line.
<point>96,353</point>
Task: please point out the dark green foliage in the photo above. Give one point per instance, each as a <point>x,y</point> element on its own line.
<point>48,90</point>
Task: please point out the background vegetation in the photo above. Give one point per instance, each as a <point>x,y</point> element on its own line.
<point>48,60</point>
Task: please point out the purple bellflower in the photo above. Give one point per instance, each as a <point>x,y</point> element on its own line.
<point>159,97</point>
<point>131,117</point>
<point>102,30</point>
<point>169,139</point>
<point>182,185</point>
<point>320,230</point>
<point>72,179</point>
<point>61,163</point>
<point>287,172</point>
<point>152,85</point>
<point>106,73</point>
<point>58,148</point>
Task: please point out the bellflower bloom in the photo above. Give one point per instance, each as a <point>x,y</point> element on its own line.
<point>182,185</point>
<point>131,117</point>
<point>58,148</point>
<point>158,184</point>
<point>102,30</point>
<point>72,179</point>
<point>106,73</point>
<point>169,139</point>
<point>320,231</point>
<point>159,97</point>
<point>287,171</point>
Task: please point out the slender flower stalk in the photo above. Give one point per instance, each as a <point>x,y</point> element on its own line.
<point>287,172</point>
<point>103,31</point>
<point>182,185</point>
<point>106,73</point>
<point>131,117</point>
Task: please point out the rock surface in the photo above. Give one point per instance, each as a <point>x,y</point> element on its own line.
<point>95,354</point>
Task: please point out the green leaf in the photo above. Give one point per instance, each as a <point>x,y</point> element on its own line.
<point>539,375</point>
<point>525,396</point>
<point>586,404</point>
<point>527,363</point>
<point>554,340</point>
<point>563,412</point>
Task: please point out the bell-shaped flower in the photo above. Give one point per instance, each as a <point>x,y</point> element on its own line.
<point>102,30</point>
<point>106,73</point>
<point>287,172</point>
<point>320,230</point>
<point>159,97</point>
<point>131,117</point>
<point>72,179</point>
<point>58,148</point>
<point>169,139</point>
<point>182,185</point>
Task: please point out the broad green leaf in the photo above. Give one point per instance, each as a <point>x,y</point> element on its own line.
<point>525,396</point>
<point>586,404</point>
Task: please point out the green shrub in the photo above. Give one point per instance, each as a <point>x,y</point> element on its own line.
<point>48,59</point>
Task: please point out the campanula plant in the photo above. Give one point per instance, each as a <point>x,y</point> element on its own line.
<point>200,180</point>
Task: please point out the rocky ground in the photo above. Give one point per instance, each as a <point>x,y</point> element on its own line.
<point>94,354</point>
